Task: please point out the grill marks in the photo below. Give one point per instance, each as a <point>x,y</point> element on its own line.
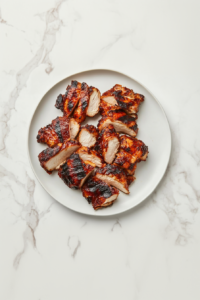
<point>81,110</point>
<point>74,171</point>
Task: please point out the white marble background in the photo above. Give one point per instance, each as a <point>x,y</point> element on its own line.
<point>48,252</point>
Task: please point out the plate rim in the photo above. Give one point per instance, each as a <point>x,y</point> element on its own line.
<point>162,175</point>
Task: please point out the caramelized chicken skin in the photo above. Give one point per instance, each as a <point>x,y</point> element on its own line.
<point>60,130</point>
<point>75,171</point>
<point>134,147</point>
<point>114,176</point>
<point>123,97</point>
<point>99,193</point>
<point>51,158</point>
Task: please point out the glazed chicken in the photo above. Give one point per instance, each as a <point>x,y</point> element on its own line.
<point>109,143</point>
<point>60,130</point>
<point>124,124</point>
<point>99,193</point>
<point>106,109</point>
<point>70,99</point>
<point>51,158</point>
<point>135,147</point>
<point>86,154</point>
<point>88,135</point>
<point>126,161</point>
<point>114,176</point>
<point>81,110</point>
<point>93,107</point>
<point>123,97</point>
<point>75,171</point>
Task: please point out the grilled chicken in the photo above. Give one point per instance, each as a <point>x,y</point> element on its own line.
<point>135,147</point>
<point>70,99</point>
<point>109,143</point>
<point>130,178</point>
<point>123,97</point>
<point>124,124</point>
<point>93,107</point>
<point>86,154</point>
<point>126,161</point>
<point>75,171</point>
<point>114,176</point>
<point>81,110</point>
<point>88,136</point>
<point>99,193</point>
<point>107,109</point>
<point>50,158</point>
<point>61,129</point>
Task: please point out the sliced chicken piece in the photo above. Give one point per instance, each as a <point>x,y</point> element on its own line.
<point>114,176</point>
<point>50,158</point>
<point>135,147</point>
<point>86,154</point>
<point>75,171</point>
<point>70,99</point>
<point>81,110</point>
<point>126,161</point>
<point>130,179</point>
<point>124,124</point>
<point>99,193</point>
<point>109,143</point>
<point>60,130</point>
<point>88,135</point>
<point>123,97</point>
<point>94,102</point>
<point>109,110</point>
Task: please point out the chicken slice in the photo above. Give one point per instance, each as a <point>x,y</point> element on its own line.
<point>135,147</point>
<point>123,97</point>
<point>61,129</point>
<point>126,161</point>
<point>109,110</point>
<point>124,124</point>
<point>70,99</point>
<point>75,171</point>
<point>109,143</point>
<point>130,179</point>
<point>50,158</point>
<point>114,176</point>
<point>86,154</point>
<point>93,107</point>
<point>88,135</point>
<point>81,110</point>
<point>99,193</point>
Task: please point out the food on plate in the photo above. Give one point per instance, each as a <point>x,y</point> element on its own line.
<point>51,158</point>
<point>94,102</point>
<point>101,161</point>
<point>75,171</point>
<point>135,147</point>
<point>88,135</point>
<point>70,99</point>
<point>124,124</point>
<point>60,130</point>
<point>86,154</point>
<point>123,97</point>
<point>81,110</point>
<point>114,176</point>
<point>79,99</point>
<point>126,161</point>
<point>99,193</point>
<point>109,143</point>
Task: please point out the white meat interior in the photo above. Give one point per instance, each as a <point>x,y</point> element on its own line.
<point>112,198</point>
<point>112,149</point>
<point>56,160</point>
<point>110,99</point>
<point>74,128</point>
<point>94,102</point>
<point>112,181</point>
<point>119,127</point>
<point>86,138</point>
<point>90,157</point>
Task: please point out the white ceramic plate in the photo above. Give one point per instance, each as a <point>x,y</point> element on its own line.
<point>153,130</point>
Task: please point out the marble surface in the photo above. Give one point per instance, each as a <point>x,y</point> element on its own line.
<point>48,252</point>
